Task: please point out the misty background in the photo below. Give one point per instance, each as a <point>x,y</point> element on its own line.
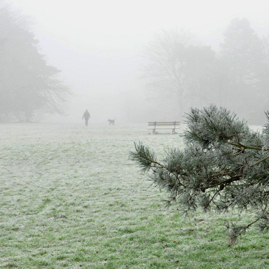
<point>100,48</point>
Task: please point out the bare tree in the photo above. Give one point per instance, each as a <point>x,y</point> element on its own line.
<point>177,71</point>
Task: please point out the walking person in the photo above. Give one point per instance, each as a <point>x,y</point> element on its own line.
<point>86,116</point>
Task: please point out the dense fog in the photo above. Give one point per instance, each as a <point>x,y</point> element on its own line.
<point>105,51</point>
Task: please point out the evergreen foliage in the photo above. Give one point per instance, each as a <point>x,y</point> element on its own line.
<point>29,87</point>
<point>224,166</point>
<point>245,57</point>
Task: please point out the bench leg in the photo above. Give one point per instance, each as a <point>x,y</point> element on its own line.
<point>173,131</point>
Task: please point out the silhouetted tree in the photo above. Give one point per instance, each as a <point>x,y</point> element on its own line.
<point>179,71</point>
<point>224,166</point>
<point>245,56</point>
<point>28,85</point>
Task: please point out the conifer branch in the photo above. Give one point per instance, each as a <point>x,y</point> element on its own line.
<point>218,168</point>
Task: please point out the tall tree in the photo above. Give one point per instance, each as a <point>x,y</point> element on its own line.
<point>245,56</point>
<point>28,85</point>
<point>179,72</point>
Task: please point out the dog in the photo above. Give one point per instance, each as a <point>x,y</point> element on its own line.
<point>111,122</point>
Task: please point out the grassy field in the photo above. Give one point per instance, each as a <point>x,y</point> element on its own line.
<point>71,198</point>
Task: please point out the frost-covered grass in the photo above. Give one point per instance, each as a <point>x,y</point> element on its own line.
<point>71,198</point>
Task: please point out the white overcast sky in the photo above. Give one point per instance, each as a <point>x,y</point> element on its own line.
<point>89,24</point>
<point>96,43</point>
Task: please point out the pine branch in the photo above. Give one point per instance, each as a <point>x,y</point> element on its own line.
<point>220,166</point>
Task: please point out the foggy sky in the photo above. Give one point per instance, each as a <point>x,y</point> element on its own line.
<point>97,44</point>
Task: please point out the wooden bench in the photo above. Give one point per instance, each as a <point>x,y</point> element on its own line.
<point>164,125</point>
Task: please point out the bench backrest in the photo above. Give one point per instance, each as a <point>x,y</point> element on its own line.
<point>159,123</point>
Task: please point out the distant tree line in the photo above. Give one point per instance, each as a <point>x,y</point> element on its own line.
<point>29,87</point>
<point>183,74</point>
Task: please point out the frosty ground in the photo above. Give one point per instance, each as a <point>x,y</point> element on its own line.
<point>71,198</point>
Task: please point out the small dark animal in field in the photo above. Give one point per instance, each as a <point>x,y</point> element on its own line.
<point>111,122</point>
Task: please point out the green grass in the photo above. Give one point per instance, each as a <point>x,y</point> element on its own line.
<point>71,198</point>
